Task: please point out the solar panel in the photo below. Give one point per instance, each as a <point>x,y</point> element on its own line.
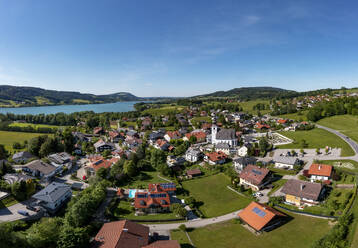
<point>259,212</point>
<point>256,172</point>
<point>141,195</point>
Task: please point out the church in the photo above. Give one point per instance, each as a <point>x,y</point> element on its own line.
<point>223,136</point>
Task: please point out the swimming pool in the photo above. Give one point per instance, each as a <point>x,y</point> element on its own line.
<point>131,193</point>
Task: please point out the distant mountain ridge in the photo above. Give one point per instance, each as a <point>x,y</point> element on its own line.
<point>14,96</point>
<point>246,93</point>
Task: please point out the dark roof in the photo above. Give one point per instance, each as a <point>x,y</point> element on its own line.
<point>52,192</point>
<point>22,155</point>
<point>39,165</point>
<point>302,189</point>
<point>226,134</point>
<point>222,146</point>
<point>245,160</point>
<point>193,172</point>
<point>254,174</point>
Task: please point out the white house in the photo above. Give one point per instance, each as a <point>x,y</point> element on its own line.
<point>53,196</point>
<point>241,163</point>
<point>320,172</point>
<point>193,155</point>
<point>242,151</point>
<point>283,162</point>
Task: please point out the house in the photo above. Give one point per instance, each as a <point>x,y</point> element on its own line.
<point>214,158</point>
<point>172,135</point>
<point>101,146</point>
<point>61,160</point>
<point>261,217</point>
<point>22,157</point>
<point>175,162</point>
<point>193,155</point>
<point>282,121</point>
<point>123,233</point>
<point>115,136</point>
<point>156,201</point>
<point>222,135</point>
<point>155,135</point>
<point>163,145</point>
<point>223,147</point>
<point>81,137</point>
<point>193,173</point>
<point>243,151</point>
<point>170,188</point>
<point>320,172</point>
<point>262,126</point>
<point>242,162</point>
<point>39,168</point>
<point>300,193</point>
<point>53,196</point>
<point>98,130</point>
<point>128,234</point>
<point>199,135</point>
<point>284,162</point>
<point>255,177</point>
<point>98,163</point>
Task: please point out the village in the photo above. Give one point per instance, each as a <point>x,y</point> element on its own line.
<point>159,175</point>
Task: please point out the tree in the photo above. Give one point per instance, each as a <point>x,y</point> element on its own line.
<point>3,152</point>
<point>190,201</point>
<point>192,139</point>
<point>106,153</point>
<point>16,145</point>
<point>44,233</point>
<point>129,168</point>
<point>102,173</point>
<point>68,141</point>
<point>30,187</point>
<point>317,151</point>
<point>73,237</point>
<point>157,157</point>
<point>18,189</point>
<point>178,209</point>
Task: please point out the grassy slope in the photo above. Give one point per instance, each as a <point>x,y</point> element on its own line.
<point>217,199</point>
<point>8,138</point>
<point>295,116</point>
<point>164,110</point>
<point>149,177</point>
<point>317,138</point>
<point>300,232</point>
<point>346,124</point>
<point>181,237</point>
<point>331,162</point>
<point>16,124</point>
<point>248,106</point>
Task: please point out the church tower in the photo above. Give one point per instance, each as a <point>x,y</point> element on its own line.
<point>214,130</point>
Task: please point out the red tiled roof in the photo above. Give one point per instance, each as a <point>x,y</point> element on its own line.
<point>163,244</point>
<point>122,233</point>
<point>173,134</point>
<point>157,187</point>
<point>260,126</point>
<point>282,121</point>
<point>103,163</point>
<point>148,200</point>
<point>320,170</point>
<point>258,215</point>
<point>254,174</point>
<point>216,156</point>
<point>198,135</point>
<point>193,172</point>
<point>97,130</point>
<point>113,134</point>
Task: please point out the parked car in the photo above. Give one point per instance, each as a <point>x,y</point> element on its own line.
<point>35,209</point>
<point>23,212</point>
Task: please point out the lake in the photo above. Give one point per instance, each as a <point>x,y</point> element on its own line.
<point>68,109</point>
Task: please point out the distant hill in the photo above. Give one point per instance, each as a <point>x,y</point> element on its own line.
<point>31,96</point>
<point>250,93</point>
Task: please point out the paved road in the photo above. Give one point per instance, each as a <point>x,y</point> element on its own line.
<point>193,224</point>
<point>10,213</point>
<point>351,142</point>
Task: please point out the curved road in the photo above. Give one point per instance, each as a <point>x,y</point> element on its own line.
<point>351,142</point>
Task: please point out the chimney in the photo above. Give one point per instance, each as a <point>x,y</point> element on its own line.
<point>302,186</point>
<point>319,167</point>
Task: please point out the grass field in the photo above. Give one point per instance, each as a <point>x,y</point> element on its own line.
<point>164,110</point>
<point>348,162</point>
<point>346,124</point>
<point>217,199</point>
<point>317,138</point>
<point>144,179</point>
<point>295,116</point>
<point>8,138</point>
<point>181,237</point>
<point>249,105</point>
<point>301,232</point>
<point>17,124</point>
<point>276,185</point>
<point>125,210</point>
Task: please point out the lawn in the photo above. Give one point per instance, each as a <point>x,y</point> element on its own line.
<point>126,211</point>
<point>353,230</point>
<point>163,110</point>
<point>144,179</point>
<point>8,138</point>
<point>196,120</point>
<point>317,138</point>
<point>8,201</point>
<point>295,116</point>
<point>343,165</point>
<point>17,124</point>
<point>346,124</point>
<point>276,185</point>
<point>249,106</point>
<point>181,237</point>
<point>300,232</point>
<point>215,197</point>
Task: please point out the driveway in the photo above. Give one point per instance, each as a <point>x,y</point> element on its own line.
<point>194,223</point>
<point>10,213</point>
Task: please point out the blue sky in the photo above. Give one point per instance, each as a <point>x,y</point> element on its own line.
<point>178,48</point>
